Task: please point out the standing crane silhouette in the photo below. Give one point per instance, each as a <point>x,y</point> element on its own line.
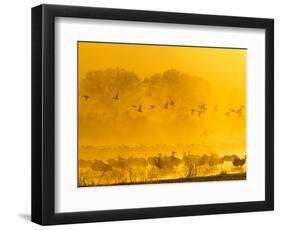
<point>192,111</point>
<point>239,111</point>
<point>166,105</point>
<point>216,108</point>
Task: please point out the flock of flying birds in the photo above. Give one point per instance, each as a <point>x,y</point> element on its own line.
<point>199,110</point>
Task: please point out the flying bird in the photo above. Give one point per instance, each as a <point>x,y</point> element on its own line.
<point>139,109</point>
<point>202,108</point>
<point>134,106</point>
<point>206,133</point>
<point>166,105</point>
<point>116,97</point>
<point>239,111</point>
<point>192,111</point>
<point>86,97</point>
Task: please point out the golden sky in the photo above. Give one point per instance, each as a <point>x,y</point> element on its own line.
<point>151,74</point>
<point>221,66</point>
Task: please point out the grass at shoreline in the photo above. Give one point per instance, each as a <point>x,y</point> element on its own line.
<point>220,177</point>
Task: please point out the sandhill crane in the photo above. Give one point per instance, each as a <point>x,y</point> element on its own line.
<point>239,163</point>
<point>116,97</point>
<point>206,133</point>
<point>205,160</point>
<point>100,166</point>
<point>215,160</point>
<point>192,111</point>
<point>170,162</point>
<point>229,158</point>
<point>152,106</point>
<point>166,105</point>
<point>191,159</point>
<point>172,102</point>
<point>209,160</point>
<point>86,97</point>
<point>174,160</point>
<point>202,108</point>
<point>154,162</point>
<point>84,163</point>
<point>227,114</point>
<point>134,165</point>
<point>139,109</point>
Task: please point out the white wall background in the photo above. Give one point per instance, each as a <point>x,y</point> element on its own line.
<point>15,113</point>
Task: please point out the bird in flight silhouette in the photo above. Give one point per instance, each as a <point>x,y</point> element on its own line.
<point>116,97</point>
<point>139,109</point>
<point>192,111</point>
<point>166,105</point>
<point>239,111</point>
<point>216,108</point>
<point>86,97</point>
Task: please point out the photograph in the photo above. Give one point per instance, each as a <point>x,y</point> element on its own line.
<point>150,113</point>
<point>140,114</point>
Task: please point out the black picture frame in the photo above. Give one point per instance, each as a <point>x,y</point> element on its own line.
<point>43,114</point>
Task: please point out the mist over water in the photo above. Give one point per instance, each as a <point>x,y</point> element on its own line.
<point>129,109</point>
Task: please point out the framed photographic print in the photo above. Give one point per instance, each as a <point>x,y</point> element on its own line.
<point>142,114</point>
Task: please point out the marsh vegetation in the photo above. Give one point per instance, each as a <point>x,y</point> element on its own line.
<point>161,168</point>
